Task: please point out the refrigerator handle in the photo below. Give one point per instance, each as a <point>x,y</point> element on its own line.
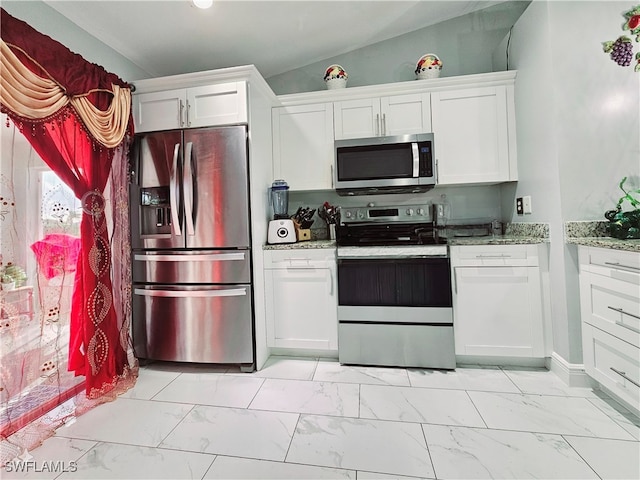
<point>188,188</point>
<point>173,191</point>
<point>230,292</point>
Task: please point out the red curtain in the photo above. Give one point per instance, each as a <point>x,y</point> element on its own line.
<point>84,164</point>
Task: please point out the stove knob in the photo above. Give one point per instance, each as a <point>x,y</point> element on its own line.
<point>409,211</point>
<point>348,214</point>
<point>360,214</point>
<point>420,211</point>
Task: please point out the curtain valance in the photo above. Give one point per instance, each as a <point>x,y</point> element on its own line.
<point>39,77</point>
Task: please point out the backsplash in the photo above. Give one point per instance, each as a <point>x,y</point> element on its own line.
<point>535,230</point>
<point>470,204</point>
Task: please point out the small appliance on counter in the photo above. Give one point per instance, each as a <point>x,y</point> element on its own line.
<point>281,228</point>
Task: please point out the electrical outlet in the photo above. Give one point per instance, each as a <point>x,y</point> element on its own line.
<point>519,206</point>
<point>526,204</point>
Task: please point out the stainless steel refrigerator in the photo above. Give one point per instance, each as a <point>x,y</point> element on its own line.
<point>190,237</point>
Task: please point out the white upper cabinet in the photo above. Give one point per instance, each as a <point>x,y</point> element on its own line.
<point>303,146</point>
<point>210,105</point>
<point>474,132</point>
<point>383,116</point>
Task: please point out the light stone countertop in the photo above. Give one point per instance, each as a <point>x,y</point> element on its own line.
<point>301,245</point>
<point>594,234</point>
<point>606,242</point>
<point>497,240</point>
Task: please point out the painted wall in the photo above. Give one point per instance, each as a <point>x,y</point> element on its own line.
<point>46,20</point>
<point>578,134</point>
<point>464,44</point>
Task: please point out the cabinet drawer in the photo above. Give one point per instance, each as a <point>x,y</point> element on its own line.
<point>613,363</point>
<point>618,264</point>
<point>611,305</point>
<point>495,255</point>
<point>300,258</point>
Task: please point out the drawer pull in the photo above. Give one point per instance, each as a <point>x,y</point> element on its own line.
<point>619,265</point>
<point>502,255</point>
<point>619,310</point>
<point>624,375</point>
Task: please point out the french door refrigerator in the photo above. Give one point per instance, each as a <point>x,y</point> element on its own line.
<point>190,238</point>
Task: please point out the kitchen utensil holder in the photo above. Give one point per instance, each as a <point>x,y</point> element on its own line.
<point>302,234</point>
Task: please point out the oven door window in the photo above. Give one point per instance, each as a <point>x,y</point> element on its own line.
<point>406,282</point>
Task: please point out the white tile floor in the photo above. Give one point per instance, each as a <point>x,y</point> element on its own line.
<point>308,418</point>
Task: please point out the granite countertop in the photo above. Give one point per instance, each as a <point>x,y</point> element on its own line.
<point>594,234</point>
<point>497,240</point>
<point>606,242</point>
<point>301,245</point>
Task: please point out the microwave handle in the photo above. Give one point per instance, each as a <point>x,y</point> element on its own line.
<point>416,159</point>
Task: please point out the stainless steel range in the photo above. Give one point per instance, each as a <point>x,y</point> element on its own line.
<point>394,288</point>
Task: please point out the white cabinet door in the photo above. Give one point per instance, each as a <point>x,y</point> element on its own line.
<point>383,116</point>
<point>357,118</point>
<point>498,311</point>
<point>406,114</point>
<point>303,146</point>
<point>210,105</point>
<point>472,134</point>
<point>222,104</point>
<point>159,110</point>
<point>301,299</point>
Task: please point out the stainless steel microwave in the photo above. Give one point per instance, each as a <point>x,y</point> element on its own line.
<point>379,165</point>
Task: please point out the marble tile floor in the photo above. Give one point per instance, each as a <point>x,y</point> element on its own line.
<point>303,418</point>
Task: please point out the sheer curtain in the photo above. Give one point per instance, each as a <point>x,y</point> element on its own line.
<point>76,116</point>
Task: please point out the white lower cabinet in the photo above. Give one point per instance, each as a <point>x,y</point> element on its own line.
<point>497,301</point>
<point>301,299</point>
<point>610,311</point>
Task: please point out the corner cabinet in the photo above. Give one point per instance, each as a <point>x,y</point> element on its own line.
<point>209,105</point>
<point>303,146</point>
<point>497,300</point>
<point>382,116</point>
<point>474,130</point>
<point>610,311</point>
<point>301,299</point>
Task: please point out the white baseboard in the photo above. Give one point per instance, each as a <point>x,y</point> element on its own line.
<point>572,374</point>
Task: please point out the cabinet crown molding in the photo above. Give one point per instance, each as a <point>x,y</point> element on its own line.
<point>430,85</point>
<point>248,73</point>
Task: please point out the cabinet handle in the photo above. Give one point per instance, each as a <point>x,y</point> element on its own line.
<point>502,255</point>
<point>384,124</point>
<point>437,175</point>
<point>619,265</point>
<point>331,173</point>
<point>377,125</point>
<point>188,116</point>
<point>620,310</point>
<point>331,273</point>
<point>624,375</point>
<point>455,280</point>
<point>181,113</point>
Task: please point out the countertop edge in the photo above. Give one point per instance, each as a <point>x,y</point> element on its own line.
<point>605,242</point>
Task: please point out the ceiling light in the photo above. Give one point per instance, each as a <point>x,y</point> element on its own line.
<point>202,3</point>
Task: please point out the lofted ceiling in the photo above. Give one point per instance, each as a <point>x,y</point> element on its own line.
<point>173,36</point>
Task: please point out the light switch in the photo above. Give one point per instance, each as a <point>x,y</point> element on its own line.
<point>526,204</point>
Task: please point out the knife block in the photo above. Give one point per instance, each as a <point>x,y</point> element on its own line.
<point>302,234</point>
